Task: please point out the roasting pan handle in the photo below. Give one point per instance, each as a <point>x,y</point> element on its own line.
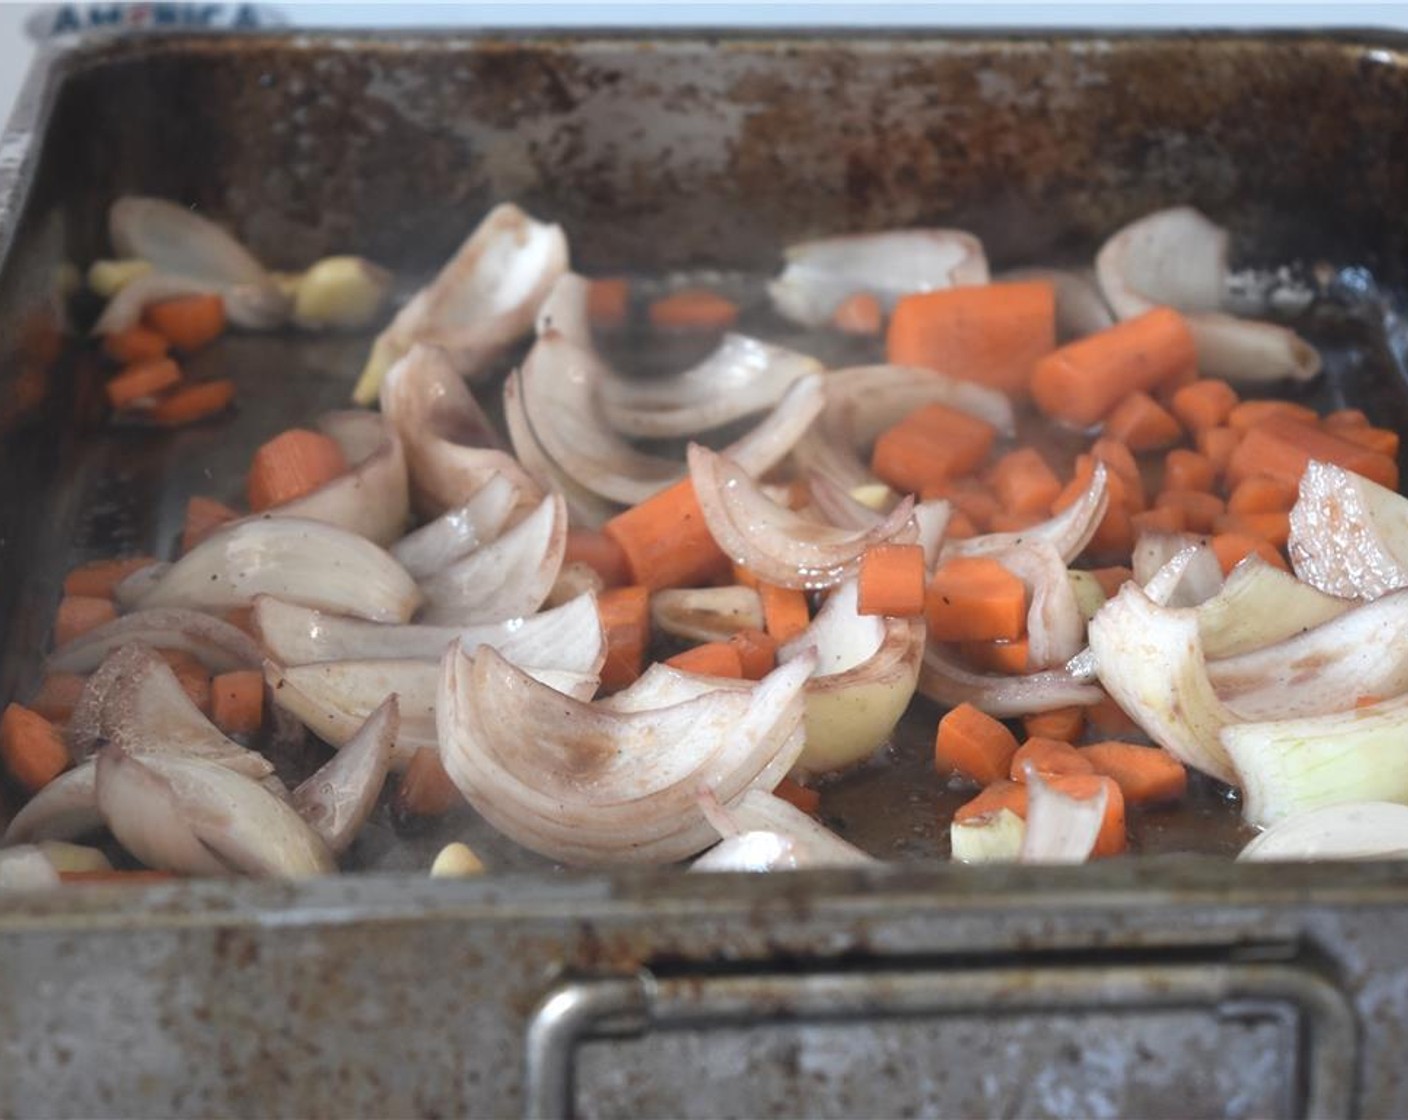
<point>1321,1016</point>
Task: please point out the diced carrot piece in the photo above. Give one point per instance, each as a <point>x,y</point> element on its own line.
<point>136,344</point>
<point>666,540</point>
<point>1048,757</point>
<point>625,620</point>
<point>1218,445</point>
<point>425,789</point>
<point>967,496</point>
<point>1114,536</point>
<point>1111,580</point>
<point>141,384</point>
<point>58,695</point>
<point>1108,720</point>
<point>608,302</point>
<point>1011,658</point>
<point>930,445</point>
<point>991,333</point>
<point>1283,448</point>
<point>78,614</point>
<point>1232,548</point>
<point>1344,418</point>
<point>237,701</point>
<point>960,527</point>
<point>98,578</point>
<point>785,612</point>
<point>1004,521</point>
<point>1382,441</point>
<point>1188,470</point>
<point>32,748</point>
<point>188,322</point>
<point>1142,424</point>
<point>1204,404</point>
<point>1120,462</point>
<point>192,403</point>
<point>1164,519</point>
<point>1273,528</point>
<point>1368,700</point>
<point>1062,724</point>
<point>994,798</point>
<point>1145,775</point>
<point>203,517</point>
<point>975,599</point>
<point>1200,509</point>
<point>798,795</point>
<point>859,314</point>
<point>1260,493</point>
<point>290,465</point>
<point>1023,482</point>
<point>603,554</point>
<point>712,659</point>
<point>693,309</point>
<point>1083,381</point>
<point>191,674</point>
<point>973,744</point>
<point>757,653</point>
<point>891,580</point>
<point>1113,837</point>
<point>1249,414</point>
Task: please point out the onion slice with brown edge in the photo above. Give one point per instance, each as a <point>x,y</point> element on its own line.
<point>761,832</point>
<point>457,532</point>
<point>588,510</point>
<point>772,439</point>
<point>591,786</point>
<point>566,310</point>
<point>1055,627</point>
<point>1350,830</point>
<point>1068,532</point>
<point>308,562</point>
<point>944,679</point>
<point>337,799</point>
<point>1260,605</point>
<point>483,300</point>
<point>1199,575</point>
<point>661,685</point>
<point>508,578</point>
<point>779,546</point>
<point>706,614</point>
<point>1080,307</point>
<point>1060,828</point>
<point>218,645</point>
<point>819,275</point>
<point>1349,536</point>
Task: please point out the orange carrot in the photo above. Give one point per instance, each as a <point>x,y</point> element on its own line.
<point>192,403</point>
<point>1382,441</point>
<point>1082,382</point>
<point>1345,418</point>
<point>98,578</point>
<point>1200,509</point>
<point>1249,414</point>
<point>608,302</point>
<point>57,696</point>
<point>1113,538</point>
<point>1142,424</point>
<point>1111,579</point>
<point>603,554</point>
<point>1113,838</point>
<point>1120,462</point>
<point>203,517</point>
<point>1145,775</point>
<point>744,577</point>
<point>135,344</point>
<point>1166,519</point>
<point>930,445</point>
<point>975,599</point>
<point>974,745</point>
<point>992,333</point>
<point>188,322</point>
<point>1218,446</point>
<point>712,659</point>
<point>140,384</point>
<point>798,795</point>
<point>1188,470</point>
<point>859,314</point>
<point>785,612</point>
<point>32,748</point>
<point>290,465</point>
<point>891,580</point>
<point>1011,658</point>
<point>1048,757</point>
<point>625,620</point>
<point>1204,404</point>
<point>237,701</point>
<point>960,527</point>
<point>693,309</point>
<point>78,614</point>
<point>241,618</point>
<point>1108,720</point>
<point>1232,548</point>
<point>994,798</point>
<point>666,540</point>
<point>191,674</point>
<point>1368,700</point>
<point>1062,724</point>
<point>1004,521</point>
<point>1274,528</point>
<point>1261,493</point>
<point>968,496</point>
<point>757,653</point>
<point>1283,448</point>
<point>425,789</point>
<point>1023,482</point>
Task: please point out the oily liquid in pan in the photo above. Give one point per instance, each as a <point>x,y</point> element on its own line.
<point>131,487</point>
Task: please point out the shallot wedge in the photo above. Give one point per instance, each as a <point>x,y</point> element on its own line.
<point>743,376</point>
<point>1354,830</point>
<point>458,532</point>
<point>1349,536</point>
<point>1080,307</point>
<point>947,681</point>
<point>820,275</point>
<point>761,832</point>
<point>508,578</point>
<point>452,450</point>
<point>1060,828</point>
<point>306,562</point>
<point>566,310</point>
<point>779,546</point>
<point>194,817</point>
<point>1260,605</point>
<point>1150,661</point>
<point>1055,627</point>
<point>591,786</point>
<point>1248,351</point>
<point>588,510</point>
<point>65,809</point>
<point>706,614</point>
<point>218,645</point>
<point>566,637</point>
<point>337,800</point>
<point>1068,532</point>
<point>483,300</point>
<point>865,675</point>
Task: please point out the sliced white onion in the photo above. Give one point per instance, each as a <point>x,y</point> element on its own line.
<point>587,785</point>
<point>573,581</point>
<point>338,798</point>
<point>661,685</point>
<point>1259,605</point>
<point>451,447</point>
<point>1060,828</point>
<point>743,376</point>
<point>779,546</point>
<point>306,562</point>
<point>1248,351</point>
<point>706,614</point>
<point>483,300</point>
<point>773,438</point>
<point>931,520</point>
<point>27,868</point>
<point>820,275</point>
<point>457,532</point>
<point>218,645</point>
<point>1176,569</point>
<point>783,837</point>
<point>254,307</point>
<point>1349,536</point>
<point>1080,308</point>
<point>1353,830</point>
<point>944,679</point>
<point>65,809</point>
<point>139,806</point>
<point>1150,661</point>
<point>132,589</point>
<point>508,578</point>
<point>566,310</point>
<point>1068,532</point>
<point>1055,627</point>
<point>838,507</point>
<point>990,838</point>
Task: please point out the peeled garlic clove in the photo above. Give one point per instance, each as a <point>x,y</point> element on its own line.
<point>456,861</point>
<point>340,293</point>
<point>107,278</point>
<point>990,838</point>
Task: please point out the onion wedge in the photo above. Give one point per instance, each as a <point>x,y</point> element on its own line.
<point>660,686</point>
<point>764,833</point>
<point>588,510</point>
<point>65,809</point>
<point>944,679</point>
<point>254,307</point>
<point>457,532</point>
<point>779,546</point>
<point>337,800</point>
<point>1354,830</point>
<point>1068,532</point>
<point>591,786</point>
<point>774,437</point>
<point>306,562</point>
<point>218,645</point>
<point>1196,577</point>
<point>1080,307</point>
<point>706,614</point>
<point>483,300</point>
<point>1260,605</point>
<point>1349,536</point>
<point>820,275</point>
<point>990,838</point>
<point>1060,828</point>
<point>1055,627</point>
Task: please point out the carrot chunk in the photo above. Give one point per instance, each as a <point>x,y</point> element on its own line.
<point>785,611</point>
<point>203,517</point>
<point>237,701</point>
<point>969,496</point>
<point>1108,720</point>
<point>859,314</point>
<point>140,384</point>
<point>1011,658</point>
<point>798,795</point>
<point>1232,548</point>
<point>757,653</point>
<point>1200,509</point>
<point>1345,418</point>
<point>961,527</point>
<point>993,799</point>
<point>136,344</point>
<point>32,748</point>
<point>666,540</point>
<point>1204,404</point>
<point>1260,493</point>
<point>693,309</point>
<point>1249,414</point>
<point>98,578</point>
<point>425,789</point>
<point>1381,441</point>
<point>891,580</point>
<point>1273,528</point>
<point>290,465</point>
<point>192,403</point>
<point>1188,470</point>
<point>1219,445</point>
<point>1004,521</point>
<point>78,614</point>
<point>188,322</point>
<point>1113,837</point>
<point>1023,482</point>
<point>973,744</point>
<point>625,620</point>
<point>608,302</point>
<point>712,659</point>
<point>603,554</point>
<point>57,696</point>
<point>1142,424</point>
<point>1283,448</point>
<point>1145,775</point>
<point>975,599</point>
<point>191,674</point>
<point>930,445</point>
<point>1166,519</point>
<point>1110,580</point>
<point>1048,757</point>
<point>1062,724</point>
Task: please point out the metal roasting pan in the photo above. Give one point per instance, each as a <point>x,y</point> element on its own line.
<point>1170,983</point>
